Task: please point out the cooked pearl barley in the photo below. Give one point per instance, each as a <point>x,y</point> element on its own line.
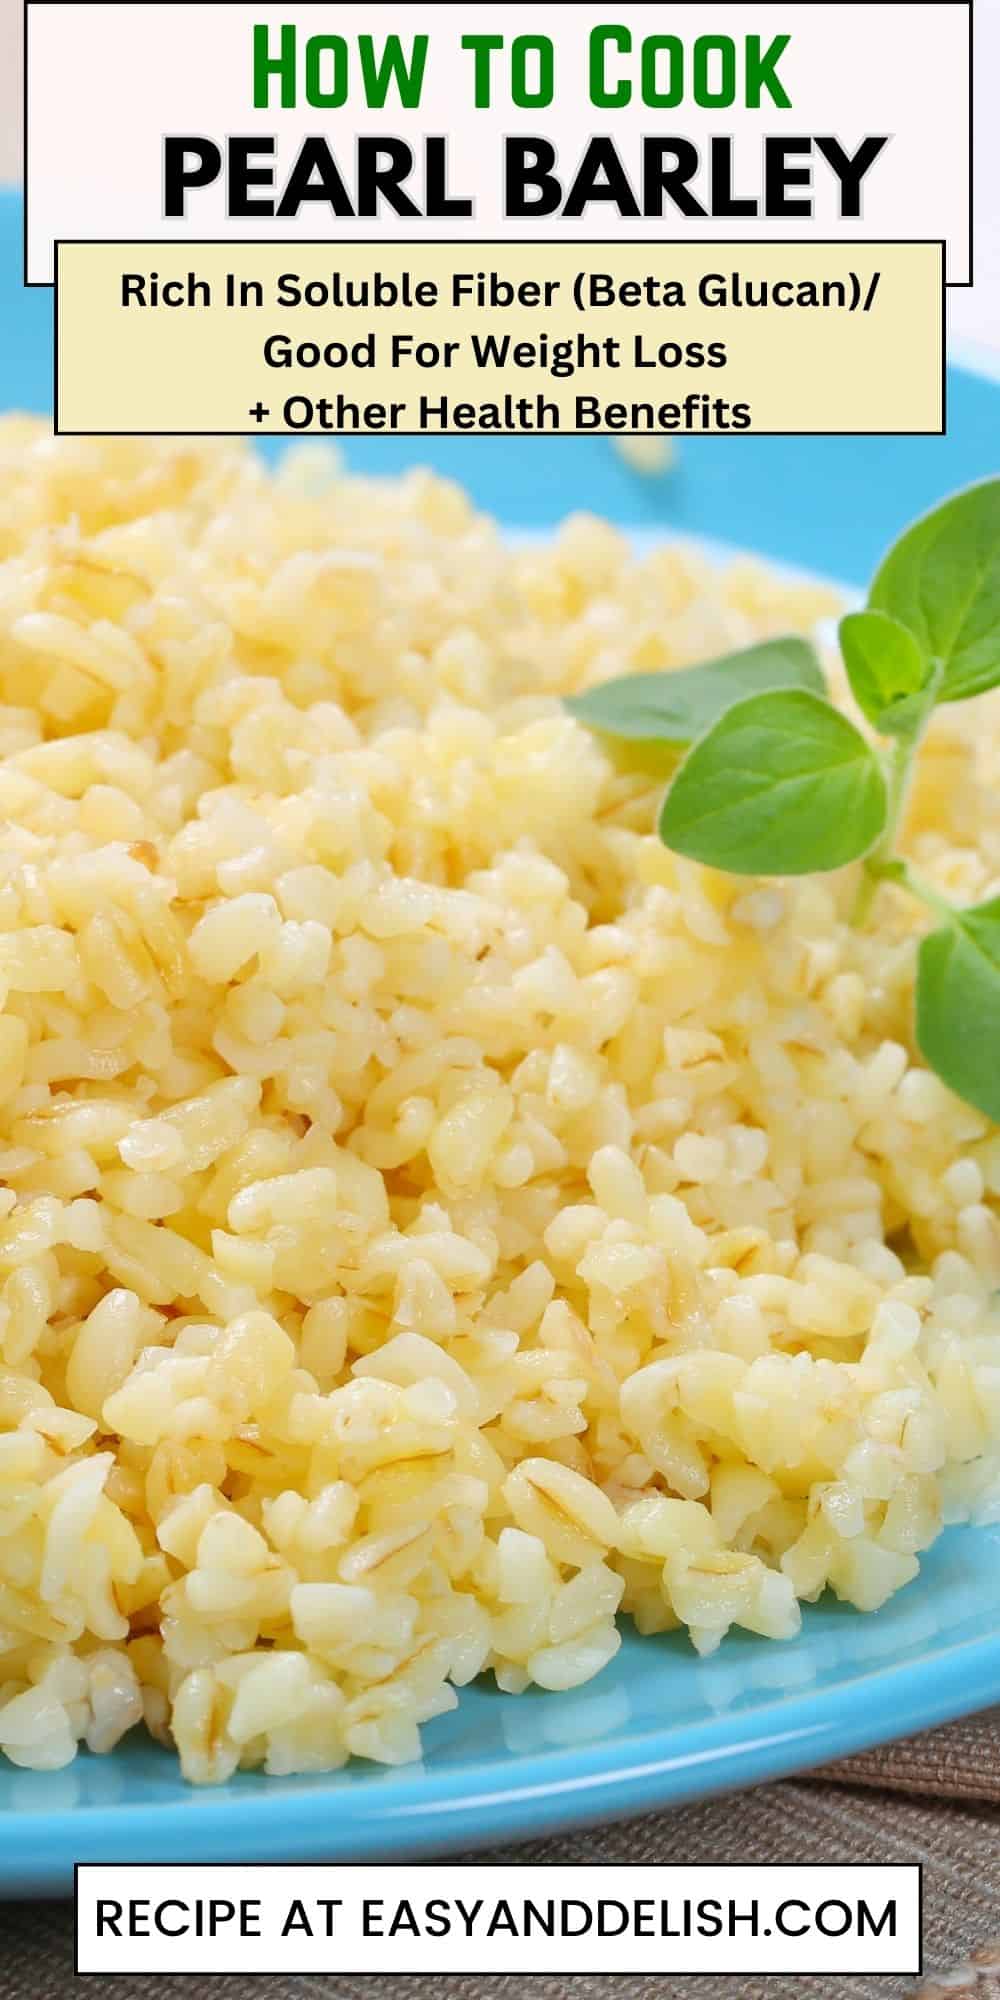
<point>434,1217</point>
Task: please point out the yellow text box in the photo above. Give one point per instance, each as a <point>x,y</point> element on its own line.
<point>517,338</point>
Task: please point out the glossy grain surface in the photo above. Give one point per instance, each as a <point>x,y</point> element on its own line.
<point>658,1726</point>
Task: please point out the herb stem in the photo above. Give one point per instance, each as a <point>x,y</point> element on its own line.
<point>882,864</point>
<point>879,865</point>
<point>907,877</point>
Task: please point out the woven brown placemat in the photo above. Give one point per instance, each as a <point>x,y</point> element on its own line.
<point>961,1761</point>
<point>977,1979</point>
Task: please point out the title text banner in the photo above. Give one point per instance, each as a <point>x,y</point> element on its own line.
<point>174,120</point>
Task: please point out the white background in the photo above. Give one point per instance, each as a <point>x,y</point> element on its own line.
<point>95,158</point>
<point>974,314</point>
<point>351,1950</point>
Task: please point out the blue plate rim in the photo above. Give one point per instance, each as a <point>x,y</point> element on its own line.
<point>479,1803</point>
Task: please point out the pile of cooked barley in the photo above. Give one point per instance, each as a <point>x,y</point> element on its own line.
<point>434,1217</point>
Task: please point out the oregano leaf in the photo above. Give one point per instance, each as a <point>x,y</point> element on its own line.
<point>942,581</point>
<point>958,1004</point>
<point>676,707</point>
<point>783,784</point>
<point>886,669</point>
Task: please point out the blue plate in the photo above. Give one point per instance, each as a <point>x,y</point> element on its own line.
<point>656,1727</point>
<point>659,1725</point>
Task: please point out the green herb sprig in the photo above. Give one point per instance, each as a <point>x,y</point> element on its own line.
<point>777,781</point>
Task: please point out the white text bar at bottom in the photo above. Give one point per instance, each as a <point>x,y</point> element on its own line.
<point>439,1919</point>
